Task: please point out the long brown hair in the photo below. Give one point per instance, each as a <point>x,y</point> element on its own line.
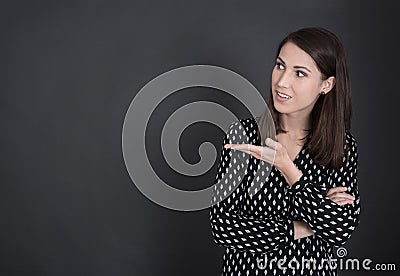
<point>331,115</point>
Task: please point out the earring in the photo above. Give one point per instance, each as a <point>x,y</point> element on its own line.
<point>322,93</point>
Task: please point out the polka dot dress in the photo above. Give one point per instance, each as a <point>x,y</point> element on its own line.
<point>256,228</point>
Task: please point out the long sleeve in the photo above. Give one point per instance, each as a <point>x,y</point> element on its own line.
<point>329,221</point>
<point>230,227</point>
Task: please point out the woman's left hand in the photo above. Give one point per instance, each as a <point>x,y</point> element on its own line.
<point>274,152</point>
<point>340,196</point>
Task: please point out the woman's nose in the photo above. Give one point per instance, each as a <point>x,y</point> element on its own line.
<point>284,80</point>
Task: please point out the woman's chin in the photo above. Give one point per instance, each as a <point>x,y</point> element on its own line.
<point>279,108</point>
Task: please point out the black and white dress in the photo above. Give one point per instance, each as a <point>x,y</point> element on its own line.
<point>257,228</point>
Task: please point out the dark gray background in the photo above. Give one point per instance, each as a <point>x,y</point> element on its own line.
<point>69,71</point>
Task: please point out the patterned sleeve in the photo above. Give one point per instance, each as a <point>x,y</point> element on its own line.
<point>330,221</point>
<point>230,228</point>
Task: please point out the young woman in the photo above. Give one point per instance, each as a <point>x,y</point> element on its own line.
<point>309,201</point>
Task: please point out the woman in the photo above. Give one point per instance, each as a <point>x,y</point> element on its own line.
<point>309,201</point>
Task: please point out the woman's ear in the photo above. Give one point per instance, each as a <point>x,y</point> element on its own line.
<point>328,84</point>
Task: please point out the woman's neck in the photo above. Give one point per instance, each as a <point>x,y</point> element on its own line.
<point>295,125</point>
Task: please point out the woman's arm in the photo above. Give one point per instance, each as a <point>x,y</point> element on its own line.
<point>319,200</point>
<point>331,221</point>
<point>230,228</point>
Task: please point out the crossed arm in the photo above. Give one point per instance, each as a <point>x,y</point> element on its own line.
<point>326,210</point>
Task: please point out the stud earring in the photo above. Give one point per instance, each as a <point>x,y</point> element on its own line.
<point>322,93</point>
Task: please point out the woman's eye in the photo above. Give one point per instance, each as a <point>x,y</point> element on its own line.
<point>279,66</point>
<point>300,74</point>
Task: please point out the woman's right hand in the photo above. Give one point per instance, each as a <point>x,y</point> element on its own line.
<point>338,195</point>
<point>301,229</point>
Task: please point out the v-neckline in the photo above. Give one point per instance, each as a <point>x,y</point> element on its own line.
<point>298,154</point>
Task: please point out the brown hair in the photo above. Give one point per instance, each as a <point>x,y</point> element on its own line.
<point>331,115</point>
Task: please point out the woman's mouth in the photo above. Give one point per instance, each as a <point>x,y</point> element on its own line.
<point>282,96</point>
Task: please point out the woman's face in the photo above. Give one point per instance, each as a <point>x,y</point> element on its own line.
<point>296,81</point>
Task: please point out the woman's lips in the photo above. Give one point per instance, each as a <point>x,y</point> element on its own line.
<point>282,97</point>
